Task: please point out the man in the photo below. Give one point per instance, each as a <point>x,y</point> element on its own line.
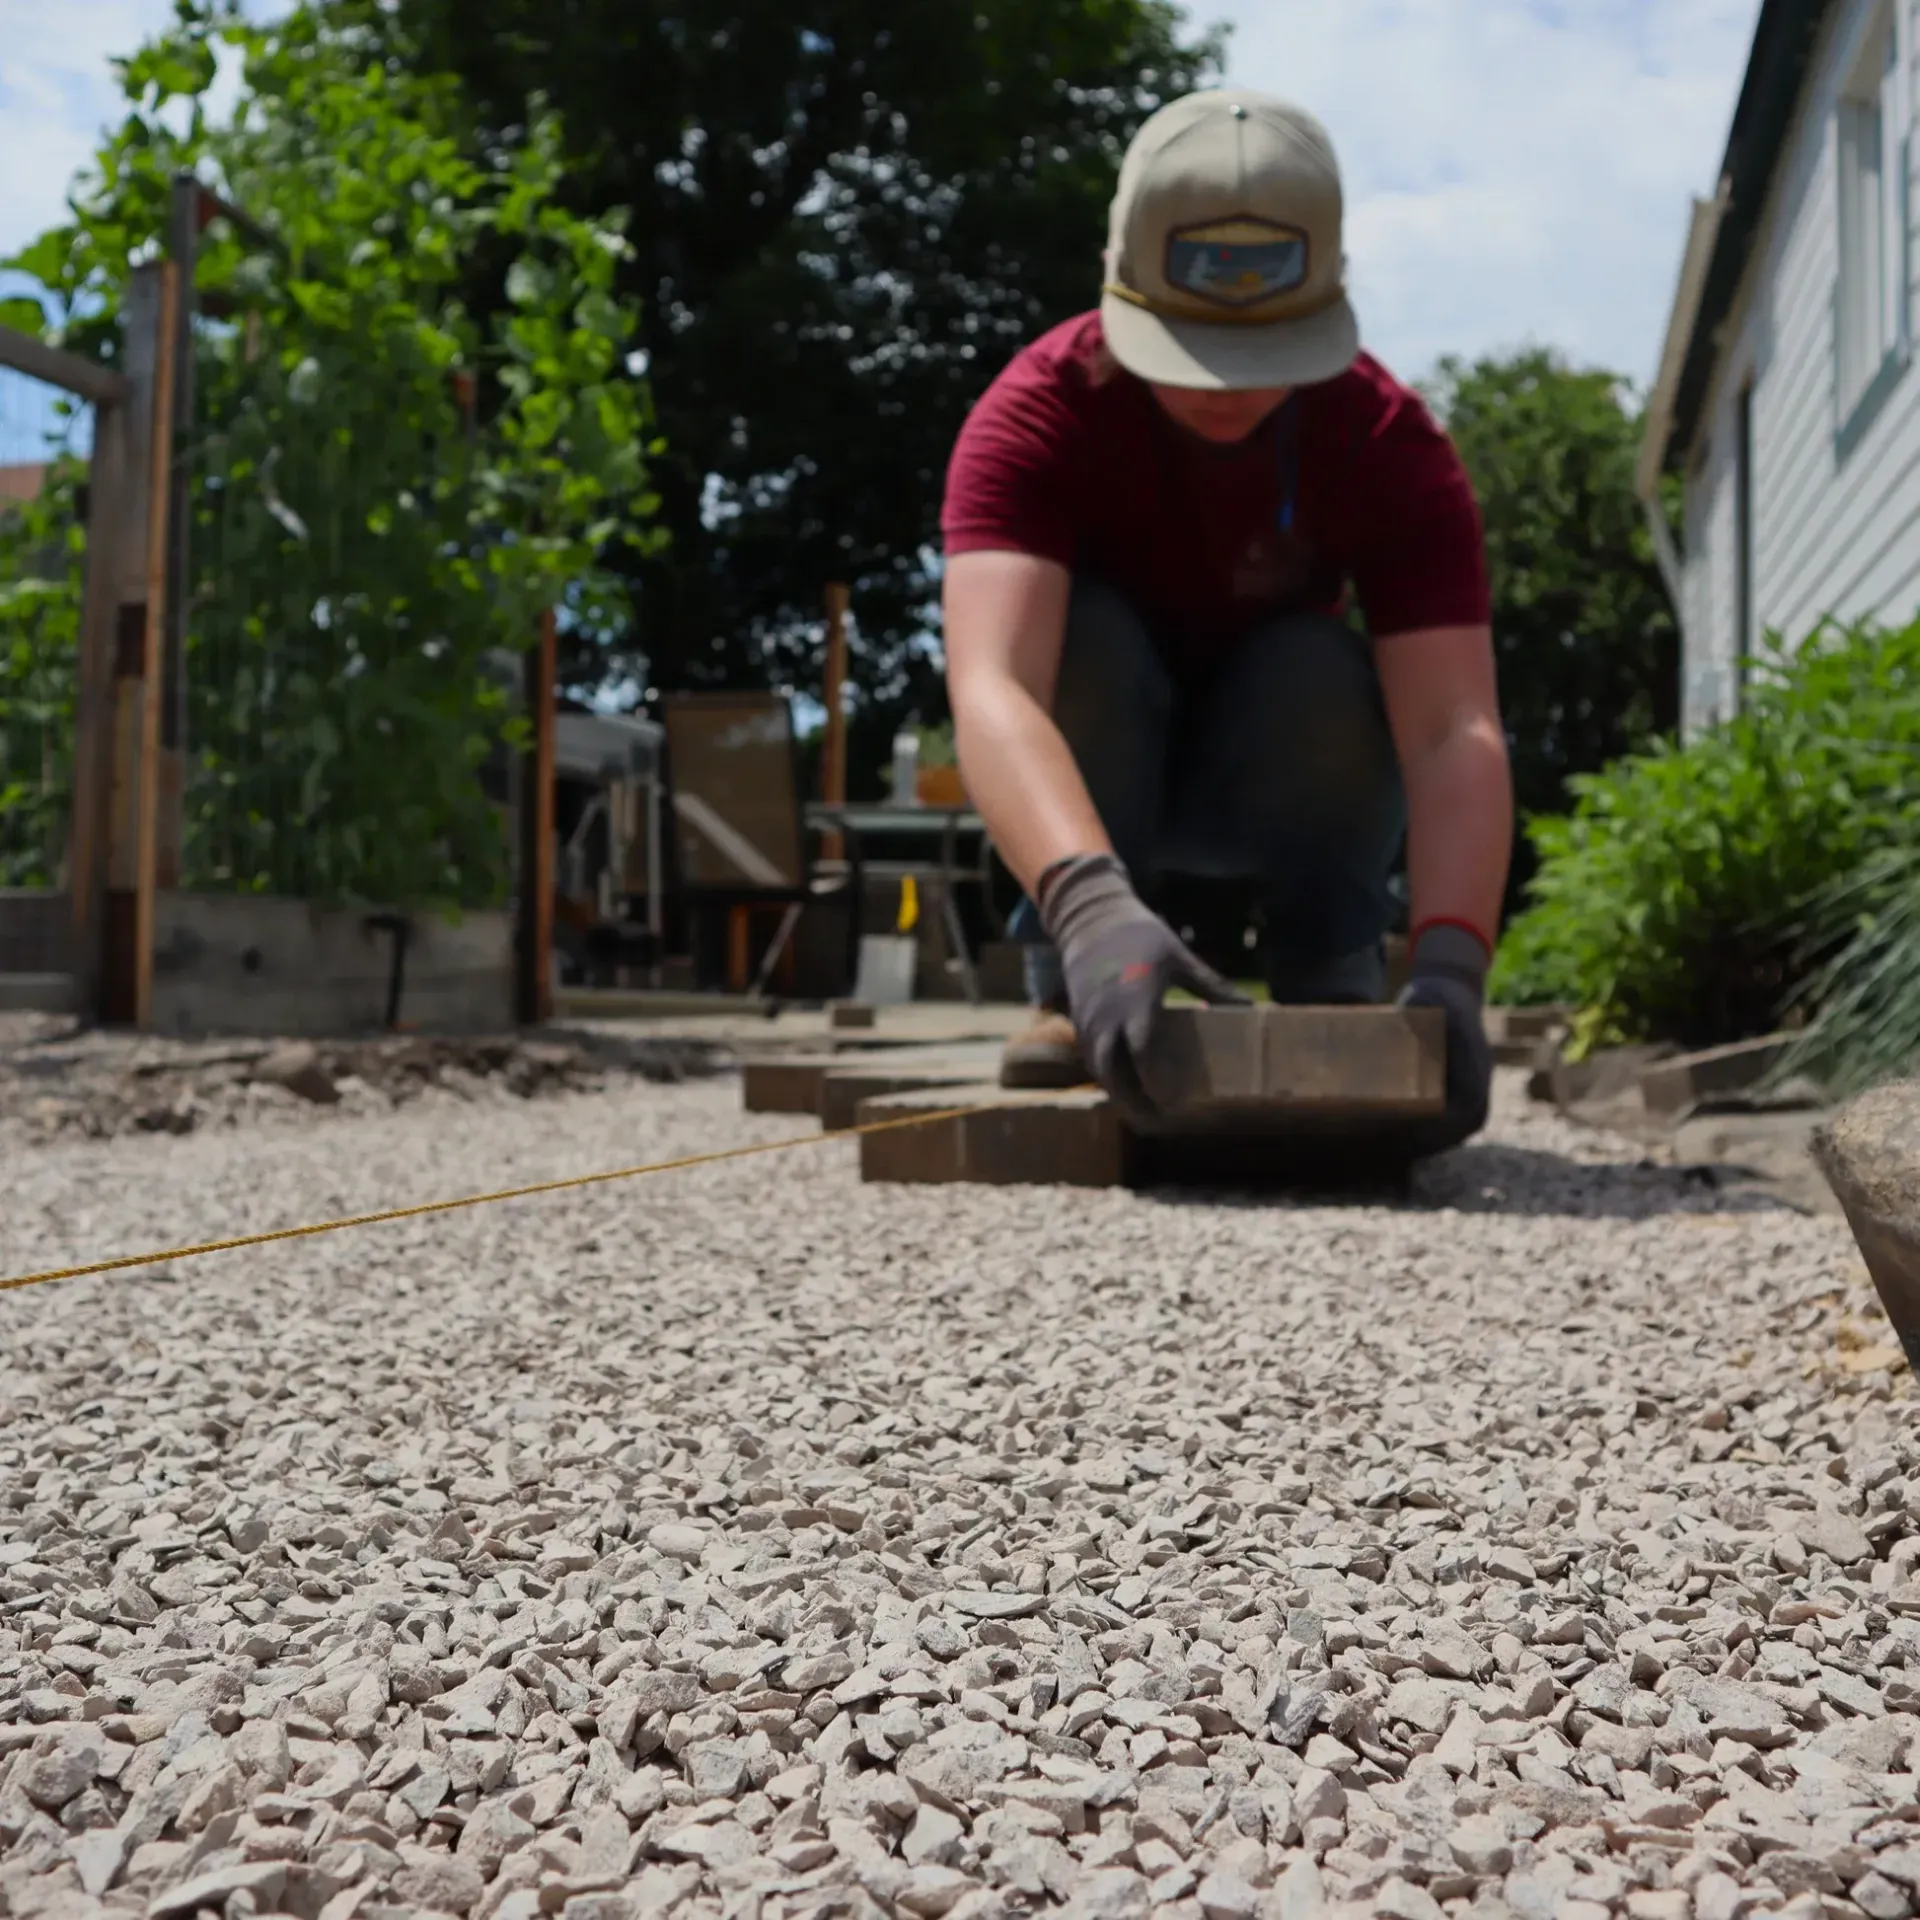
<point>1152,517</point>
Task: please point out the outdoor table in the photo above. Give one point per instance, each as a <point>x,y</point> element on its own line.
<point>880,822</point>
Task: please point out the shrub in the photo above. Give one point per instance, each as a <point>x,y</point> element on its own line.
<point>1681,898</point>
<point>1866,994</point>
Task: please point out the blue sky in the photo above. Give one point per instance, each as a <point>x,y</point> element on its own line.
<point>1517,170</point>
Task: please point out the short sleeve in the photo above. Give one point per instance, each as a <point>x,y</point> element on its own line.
<point>1419,556</point>
<point>1014,478</point>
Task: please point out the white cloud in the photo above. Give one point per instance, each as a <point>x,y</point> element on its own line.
<point>1516,170</point>
<point>57,92</point>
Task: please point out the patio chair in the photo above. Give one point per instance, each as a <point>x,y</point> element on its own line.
<point>738,830</point>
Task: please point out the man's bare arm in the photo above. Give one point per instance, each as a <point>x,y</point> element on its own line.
<point>1005,620</point>
<point>1443,707</point>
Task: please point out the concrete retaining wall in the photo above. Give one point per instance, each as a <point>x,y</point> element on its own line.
<point>255,965</point>
<point>35,930</point>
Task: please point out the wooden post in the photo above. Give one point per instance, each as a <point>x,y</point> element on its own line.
<point>153,651</point>
<point>536,829</point>
<point>833,758</point>
<point>117,616</point>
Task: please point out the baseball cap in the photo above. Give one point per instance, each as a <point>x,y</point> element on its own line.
<point>1224,261</point>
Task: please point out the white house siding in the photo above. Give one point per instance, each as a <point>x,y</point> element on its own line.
<point>1829,536</point>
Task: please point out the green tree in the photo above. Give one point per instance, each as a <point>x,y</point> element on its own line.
<point>42,552</point>
<point>1584,632</point>
<point>1761,873</point>
<point>365,542</point>
<point>845,221</point>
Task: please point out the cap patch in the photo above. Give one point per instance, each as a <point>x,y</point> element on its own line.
<point>1236,263</point>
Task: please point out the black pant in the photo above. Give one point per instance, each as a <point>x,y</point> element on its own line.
<point>1278,768</point>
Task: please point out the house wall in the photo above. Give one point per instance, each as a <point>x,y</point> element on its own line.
<point>1836,531</point>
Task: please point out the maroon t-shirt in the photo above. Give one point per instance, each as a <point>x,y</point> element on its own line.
<point>1085,470</point>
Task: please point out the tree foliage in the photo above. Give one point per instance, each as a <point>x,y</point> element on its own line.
<point>365,543</point>
<point>1587,646</point>
<point>845,220</point>
<point>42,557</point>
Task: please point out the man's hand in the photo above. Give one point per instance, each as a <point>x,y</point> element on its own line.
<point>1449,971</point>
<point>1119,960</point>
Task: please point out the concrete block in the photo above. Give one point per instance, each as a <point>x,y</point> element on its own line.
<point>1694,1080</point>
<point>254,964</point>
<point>1243,1068</point>
<point>776,1078</point>
<point>35,931</point>
<point>787,1083</point>
<point>1263,1095</point>
<point>39,993</point>
<point>1517,1034</point>
<point>1061,1139</point>
<point>793,1079</point>
<point>846,1088</point>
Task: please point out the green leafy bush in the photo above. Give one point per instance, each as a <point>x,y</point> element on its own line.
<point>1680,898</point>
<point>42,551</point>
<point>389,479</point>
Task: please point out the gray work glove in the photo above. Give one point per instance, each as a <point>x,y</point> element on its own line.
<point>1449,971</point>
<point>1119,960</point>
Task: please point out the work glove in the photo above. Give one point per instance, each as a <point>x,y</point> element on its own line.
<point>1449,971</point>
<point>1119,961</point>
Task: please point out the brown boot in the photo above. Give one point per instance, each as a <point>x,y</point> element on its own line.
<point>1047,1054</point>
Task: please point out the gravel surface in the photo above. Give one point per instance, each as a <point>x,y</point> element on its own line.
<point>57,1078</point>
<point>751,1542</point>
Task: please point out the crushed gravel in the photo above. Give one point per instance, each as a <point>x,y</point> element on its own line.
<point>752,1542</point>
<point>60,1079</point>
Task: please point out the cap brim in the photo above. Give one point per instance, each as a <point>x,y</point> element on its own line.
<point>1231,358</point>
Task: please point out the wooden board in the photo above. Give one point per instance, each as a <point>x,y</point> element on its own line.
<point>1282,1097</point>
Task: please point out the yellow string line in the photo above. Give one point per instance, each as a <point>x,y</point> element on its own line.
<point>157,1258</point>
